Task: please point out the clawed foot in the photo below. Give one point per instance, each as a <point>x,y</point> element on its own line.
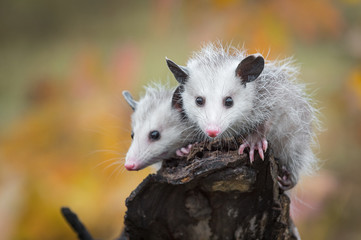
<point>254,142</point>
<point>184,151</point>
<point>284,180</point>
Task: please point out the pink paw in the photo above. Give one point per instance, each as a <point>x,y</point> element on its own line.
<point>184,151</point>
<point>285,180</point>
<point>254,143</point>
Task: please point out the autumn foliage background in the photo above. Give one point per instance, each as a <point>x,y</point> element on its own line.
<point>65,128</point>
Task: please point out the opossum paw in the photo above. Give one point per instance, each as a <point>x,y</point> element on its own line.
<point>285,181</point>
<point>184,151</point>
<point>179,153</point>
<point>260,145</point>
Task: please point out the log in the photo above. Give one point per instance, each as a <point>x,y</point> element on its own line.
<point>214,193</point>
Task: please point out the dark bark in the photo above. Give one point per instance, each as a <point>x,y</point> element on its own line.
<point>213,194</point>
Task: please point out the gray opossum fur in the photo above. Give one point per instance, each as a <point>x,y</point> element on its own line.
<point>275,99</point>
<point>154,111</point>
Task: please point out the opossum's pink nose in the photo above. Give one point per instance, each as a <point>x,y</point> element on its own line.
<point>130,164</point>
<point>213,131</point>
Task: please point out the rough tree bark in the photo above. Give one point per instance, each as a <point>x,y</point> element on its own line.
<point>213,194</point>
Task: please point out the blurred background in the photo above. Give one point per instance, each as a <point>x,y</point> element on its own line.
<point>65,128</point>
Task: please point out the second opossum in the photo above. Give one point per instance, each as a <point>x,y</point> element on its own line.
<point>159,130</point>
<point>227,93</point>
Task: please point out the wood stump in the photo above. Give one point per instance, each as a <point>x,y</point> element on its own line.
<point>214,193</point>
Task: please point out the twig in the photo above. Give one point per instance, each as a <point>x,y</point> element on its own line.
<point>76,224</point>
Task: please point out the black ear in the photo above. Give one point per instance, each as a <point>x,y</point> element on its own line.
<point>177,102</point>
<point>132,103</point>
<point>180,73</point>
<point>250,68</point>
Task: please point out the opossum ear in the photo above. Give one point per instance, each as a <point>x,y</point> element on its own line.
<point>180,73</point>
<point>250,68</point>
<point>177,102</point>
<point>132,103</point>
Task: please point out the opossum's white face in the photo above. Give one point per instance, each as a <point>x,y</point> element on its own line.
<point>216,100</point>
<point>218,90</point>
<point>155,132</point>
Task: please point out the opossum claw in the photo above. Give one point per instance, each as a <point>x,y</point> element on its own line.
<point>264,144</point>
<point>242,147</point>
<point>251,153</point>
<point>179,153</point>
<point>184,151</point>
<point>284,181</point>
<point>260,150</point>
<point>259,145</point>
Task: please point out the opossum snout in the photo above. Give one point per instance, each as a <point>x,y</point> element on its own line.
<point>131,165</point>
<point>213,131</point>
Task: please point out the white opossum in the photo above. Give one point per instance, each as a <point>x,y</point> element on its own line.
<point>227,93</point>
<point>159,129</point>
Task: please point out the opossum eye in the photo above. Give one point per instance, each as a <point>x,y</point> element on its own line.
<point>228,102</point>
<point>154,135</point>
<point>132,135</point>
<point>200,101</point>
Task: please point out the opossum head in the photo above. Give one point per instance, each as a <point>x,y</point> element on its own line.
<point>218,91</point>
<point>156,128</point>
